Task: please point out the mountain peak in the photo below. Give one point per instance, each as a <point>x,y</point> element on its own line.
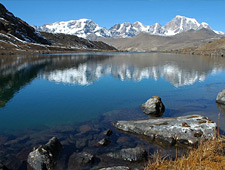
<point>184,17</point>
<point>181,24</point>
<point>157,24</point>
<point>138,22</point>
<point>84,20</point>
<point>179,16</point>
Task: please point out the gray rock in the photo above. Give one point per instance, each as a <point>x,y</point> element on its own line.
<point>81,159</point>
<point>45,156</point>
<point>108,132</point>
<point>80,143</point>
<point>129,154</point>
<point>221,97</point>
<point>116,168</point>
<point>153,106</point>
<point>104,142</point>
<point>185,129</point>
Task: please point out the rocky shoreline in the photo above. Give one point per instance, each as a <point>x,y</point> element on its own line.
<point>95,146</point>
<point>183,131</point>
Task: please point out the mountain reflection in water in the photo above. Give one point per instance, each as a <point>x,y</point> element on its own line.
<point>85,69</point>
<point>179,70</point>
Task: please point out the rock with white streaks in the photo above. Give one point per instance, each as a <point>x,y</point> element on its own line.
<point>186,129</point>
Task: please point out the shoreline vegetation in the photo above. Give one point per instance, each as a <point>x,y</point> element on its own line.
<point>207,49</point>
<point>209,155</point>
<point>36,52</point>
<point>189,51</point>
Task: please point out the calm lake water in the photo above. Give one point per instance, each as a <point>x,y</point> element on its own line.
<point>83,94</point>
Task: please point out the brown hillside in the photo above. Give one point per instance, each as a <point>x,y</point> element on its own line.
<point>147,42</point>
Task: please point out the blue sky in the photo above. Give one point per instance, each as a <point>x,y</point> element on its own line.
<point>106,13</point>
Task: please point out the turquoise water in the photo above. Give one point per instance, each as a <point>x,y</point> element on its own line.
<point>76,97</point>
<point>47,91</point>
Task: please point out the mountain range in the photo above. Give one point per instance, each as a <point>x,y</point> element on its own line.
<point>86,28</point>
<point>144,42</point>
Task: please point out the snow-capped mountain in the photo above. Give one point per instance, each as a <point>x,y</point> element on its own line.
<point>182,24</point>
<point>128,29</point>
<point>86,28</point>
<point>177,25</point>
<point>82,28</point>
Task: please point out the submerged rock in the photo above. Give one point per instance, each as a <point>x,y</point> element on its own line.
<point>221,97</point>
<point>116,168</point>
<point>185,129</point>
<point>104,142</point>
<point>108,132</point>
<point>153,106</point>
<point>221,108</point>
<point>129,154</point>
<point>45,156</point>
<point>82,158</point>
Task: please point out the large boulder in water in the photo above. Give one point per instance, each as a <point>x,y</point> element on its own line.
<point>45,156</point>
<point>153,106</point>
<point>186,129</point>
<point>221,97</point>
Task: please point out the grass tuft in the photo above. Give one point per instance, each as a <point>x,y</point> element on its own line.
<point>209,155</point>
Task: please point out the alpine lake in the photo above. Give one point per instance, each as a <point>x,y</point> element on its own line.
<point>77,97</point>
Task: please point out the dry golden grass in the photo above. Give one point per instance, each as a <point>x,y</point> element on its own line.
<point>208,156</point>
<point>213,45</point>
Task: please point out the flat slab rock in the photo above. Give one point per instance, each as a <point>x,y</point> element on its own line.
<point>186,129</point>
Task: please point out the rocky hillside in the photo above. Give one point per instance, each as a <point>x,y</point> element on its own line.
<point>74,42</point>
<point>17,36</point>
<point>147,42</point>
<point>211,48</point>
<point>9,24</point>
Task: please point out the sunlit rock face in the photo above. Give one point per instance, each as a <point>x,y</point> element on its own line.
<point>179,71</point>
